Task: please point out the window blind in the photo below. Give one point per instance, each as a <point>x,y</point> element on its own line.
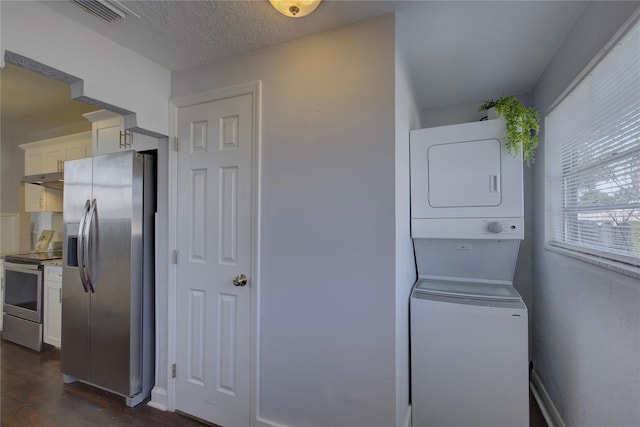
<point>593,156</point>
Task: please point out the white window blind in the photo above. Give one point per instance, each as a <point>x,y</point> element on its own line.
<point>592,140</point>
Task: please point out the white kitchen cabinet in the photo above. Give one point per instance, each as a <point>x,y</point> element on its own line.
<point>52,320</point>
<point>109,136</point>
<point>49,155</point>
<point>43,160</point>
<point>38,198</point>
<point>78,149</point>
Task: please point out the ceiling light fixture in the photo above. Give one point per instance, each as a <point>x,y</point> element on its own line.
<point>295,8</point>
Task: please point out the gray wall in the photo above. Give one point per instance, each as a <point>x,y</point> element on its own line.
<point>327,286</point>
<point>452,114</point>
<point>407,118</point>
<point>12,168</point>
<point>586,346</point>
<point>12,194</point>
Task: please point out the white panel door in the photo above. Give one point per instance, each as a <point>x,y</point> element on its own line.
<point>214,243</point>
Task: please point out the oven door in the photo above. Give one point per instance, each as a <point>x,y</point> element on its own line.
<point>23,291</point>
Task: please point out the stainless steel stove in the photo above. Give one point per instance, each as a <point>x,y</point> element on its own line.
<point>22,309</point>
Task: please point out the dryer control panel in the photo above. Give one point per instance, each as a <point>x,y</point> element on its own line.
<point>468,228</point>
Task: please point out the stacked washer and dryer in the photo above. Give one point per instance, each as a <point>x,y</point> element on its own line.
<point>469,333</point>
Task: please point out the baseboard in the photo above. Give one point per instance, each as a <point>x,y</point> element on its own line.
<point>159,399</point>
<point>263,422</point>
<point>549,411</point>
<point>407,417</point>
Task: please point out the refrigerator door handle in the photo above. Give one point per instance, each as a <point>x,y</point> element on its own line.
<point>91,240</point>
<point>81,244</point>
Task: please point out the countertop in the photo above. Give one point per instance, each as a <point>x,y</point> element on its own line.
<point>51,262</point>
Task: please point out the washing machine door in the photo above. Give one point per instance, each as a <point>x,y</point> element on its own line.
<point>467,289</point>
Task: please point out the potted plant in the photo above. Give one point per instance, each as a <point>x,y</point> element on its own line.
<point>522,125</point>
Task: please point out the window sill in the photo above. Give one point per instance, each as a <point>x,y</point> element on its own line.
<point>618,267</point>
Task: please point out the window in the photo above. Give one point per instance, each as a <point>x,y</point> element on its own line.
<point>592,141</point>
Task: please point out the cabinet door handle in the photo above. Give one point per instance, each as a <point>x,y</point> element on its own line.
<point>60,294</point>
<point>124,136</point>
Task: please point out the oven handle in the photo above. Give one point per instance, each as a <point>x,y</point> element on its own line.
<point>81,244</point>
<point>21,268</point>
<point>91,277</point>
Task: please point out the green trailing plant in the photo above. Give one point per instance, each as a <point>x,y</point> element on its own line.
<point>522,125</point>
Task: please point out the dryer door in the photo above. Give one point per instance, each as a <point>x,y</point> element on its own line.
<point>464,174</point>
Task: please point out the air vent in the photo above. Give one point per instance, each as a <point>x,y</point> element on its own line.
<point>101,9</point>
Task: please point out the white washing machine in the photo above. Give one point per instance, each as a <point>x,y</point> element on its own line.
<point>469,354</point>
<point>469,326</point>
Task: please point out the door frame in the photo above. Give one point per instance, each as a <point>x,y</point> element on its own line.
<point>254,89</point>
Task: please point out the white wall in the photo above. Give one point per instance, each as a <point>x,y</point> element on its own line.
<point>327,327</point>
<point>12,197</point>
<point>452,114</point>
<point>111,73</point>
<point>586,319</point>
<point>12,170</point>
<point>407,118</point>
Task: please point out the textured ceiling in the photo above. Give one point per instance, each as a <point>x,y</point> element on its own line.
<point>457,51</point>
<point>184,34</point>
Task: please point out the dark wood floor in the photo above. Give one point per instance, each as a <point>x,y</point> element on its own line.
<point>32,394</point>
<point>536,419</point>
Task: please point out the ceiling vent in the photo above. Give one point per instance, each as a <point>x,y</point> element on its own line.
<point>103,9</point>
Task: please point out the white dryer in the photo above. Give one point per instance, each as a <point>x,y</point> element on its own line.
<point>469,326</point>
<point>464,183</point>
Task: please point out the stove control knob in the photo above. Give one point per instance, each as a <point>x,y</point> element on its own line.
<point>495,227</point>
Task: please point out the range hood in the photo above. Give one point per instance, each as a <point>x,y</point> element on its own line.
<point>52,180</point>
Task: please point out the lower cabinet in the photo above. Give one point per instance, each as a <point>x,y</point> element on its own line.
<point>53,305</point>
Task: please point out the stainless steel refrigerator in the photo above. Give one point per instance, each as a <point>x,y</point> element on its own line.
<point>108,273</point>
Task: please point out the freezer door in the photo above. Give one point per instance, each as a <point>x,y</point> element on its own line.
<point>115,271</point>
<point>75,308</point>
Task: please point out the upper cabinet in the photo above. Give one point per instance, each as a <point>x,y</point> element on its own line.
<point>42,199</point>
<point>109,136</point>
<point>49,155</point>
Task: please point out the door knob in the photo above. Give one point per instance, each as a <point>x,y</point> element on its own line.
<point>240,280</point>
